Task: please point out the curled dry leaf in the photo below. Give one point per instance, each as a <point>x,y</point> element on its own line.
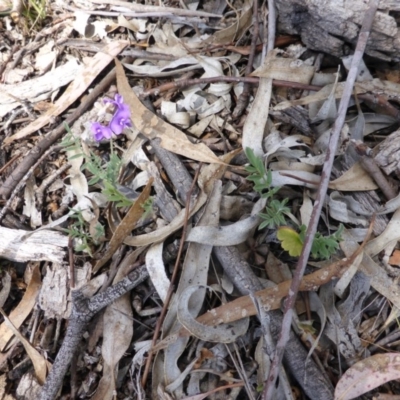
<point>216,334</point>
<point>228,235</point>
<point>368,374</point>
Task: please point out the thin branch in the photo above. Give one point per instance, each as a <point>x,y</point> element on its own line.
<point>183,83</point>
<point>326,172</point>
<point>22,182</point>
<point>244,97</point>
<point>173,279</point>
<point>271,25</point>
<point>83,310</point>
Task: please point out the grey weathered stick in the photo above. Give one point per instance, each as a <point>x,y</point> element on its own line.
<point>83,310</point>
<point>325,176</point>
<point>23,181</point>
<point>175,170</point>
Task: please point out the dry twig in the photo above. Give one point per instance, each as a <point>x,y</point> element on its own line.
<point>312,227</point>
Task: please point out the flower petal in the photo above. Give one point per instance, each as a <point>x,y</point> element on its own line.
<point>119,123</point>
<point>101,132</point>
<point>122,114</point>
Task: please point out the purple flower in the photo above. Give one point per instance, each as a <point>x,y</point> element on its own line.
<point>122,115</point>
<point>101,132</point>
<point>119,121</point>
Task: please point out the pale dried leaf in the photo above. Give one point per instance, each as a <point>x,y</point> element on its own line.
<point>390,206</point>
<point>389,235</point>
<point>45,57</point>
<point>40,364</point>
<point>30,209</point>
<point>380,280</point>
<point>286,69</point>
<point>5,290</point>
<point>254,126</point>
<point>368,374</point>
<point>354,179</point>
<point>37,89</point>
<point>223,333</point>
<point>126,226</point>
<point>23,309</point>
<point>156,268</point>
<point>345,209</point>
<point>228,235</point>
<point>117,336</point>
<point>345,280</point>
<point>194,271</point>
<point>162,233</point>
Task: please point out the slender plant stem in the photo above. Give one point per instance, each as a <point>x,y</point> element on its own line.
<point>312,228</point>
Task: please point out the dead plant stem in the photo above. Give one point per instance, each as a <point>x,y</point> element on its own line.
<point>244,97</point>
<point>325,175</point>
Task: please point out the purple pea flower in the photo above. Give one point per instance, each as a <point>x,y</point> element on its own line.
<point>122,115</point>
<point>101,132</point>
<point>119,121</point>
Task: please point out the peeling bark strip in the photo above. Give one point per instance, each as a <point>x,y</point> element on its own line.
<point>83,310</point>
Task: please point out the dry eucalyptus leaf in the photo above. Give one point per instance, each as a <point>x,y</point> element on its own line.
<point>117,336</point>
<point>194,272</point>
<point>172,139</point>
<point>238,28</point>
<point>228,235</point>
<point>40,364</point>
<point>165,231</point>
<point>254,126</point>
<point>155,266</point>
<point>23,309</point>
<point>368,374</point>
<point>286,69</point>
<point>126,226</point>
<point>389,235</point>
<point>354,179</point>
<point>5,290</point>
<point>224,333</point>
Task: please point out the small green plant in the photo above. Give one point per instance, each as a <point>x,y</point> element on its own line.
<point>323,246</point>
<point>103,173</point>
<point>274,215</point>
<point>147,207</point>
<point>77,231</point>
<point>275,210</point>
<point>35,12</point>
